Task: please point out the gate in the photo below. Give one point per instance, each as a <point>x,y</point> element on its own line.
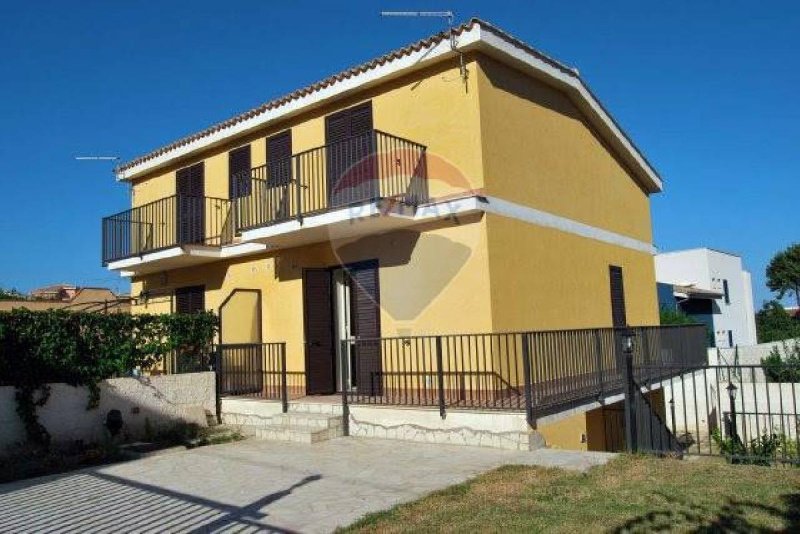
<point>745,413</point>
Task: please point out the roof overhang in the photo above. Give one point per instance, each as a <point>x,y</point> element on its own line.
<point>476,35</point>
<point>692,292</point>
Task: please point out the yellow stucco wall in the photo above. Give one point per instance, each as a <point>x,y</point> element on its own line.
<point>545,279</point>
<point>569,433</point>
<point>538,150</point>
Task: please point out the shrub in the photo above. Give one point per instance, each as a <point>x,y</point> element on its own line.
<point>81,349</point>
<point>783,368</point>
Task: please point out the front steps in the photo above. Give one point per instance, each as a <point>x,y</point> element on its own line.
<point>301,427</point>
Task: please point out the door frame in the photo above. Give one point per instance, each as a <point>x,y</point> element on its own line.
<point>346,267</point>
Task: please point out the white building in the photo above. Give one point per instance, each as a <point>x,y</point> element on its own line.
<point>713,287</point>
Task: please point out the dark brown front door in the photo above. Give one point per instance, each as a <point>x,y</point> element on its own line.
<point>320,353</point>
<point>366,321</point>
<point>190,189</point>
<point>350,144</point>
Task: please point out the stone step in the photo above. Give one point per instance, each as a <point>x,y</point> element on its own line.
<point>297,434</point>
<point>307,420</point>
<point>315,407</point>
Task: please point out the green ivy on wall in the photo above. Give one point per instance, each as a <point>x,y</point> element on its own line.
<point>81,349</point>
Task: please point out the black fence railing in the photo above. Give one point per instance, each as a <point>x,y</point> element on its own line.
<point>172,221</point>
<point>257,370</point>
<point>367,167</point>
<point>721,410</point>
<point>532,371</point>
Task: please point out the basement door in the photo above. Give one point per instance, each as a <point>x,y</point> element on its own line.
<point>341,304</point>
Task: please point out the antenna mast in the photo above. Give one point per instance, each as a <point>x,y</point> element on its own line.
<point>449,17</point>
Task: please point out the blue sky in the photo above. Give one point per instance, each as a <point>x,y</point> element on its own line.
<point>706,89</point>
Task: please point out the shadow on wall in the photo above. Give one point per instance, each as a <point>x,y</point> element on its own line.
<point>99,501</point>
<point>733,516</point>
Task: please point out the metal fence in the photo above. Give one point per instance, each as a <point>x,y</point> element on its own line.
<point>367,167</point>
<point>538,372</point>
<point>172,221</point>
<point>724,410</point>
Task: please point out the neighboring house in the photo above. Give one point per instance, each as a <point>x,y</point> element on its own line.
<point>713,287</point>
<point>70,297</point>
<point>400,197</point>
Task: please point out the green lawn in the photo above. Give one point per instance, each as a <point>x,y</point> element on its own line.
<point>630,494</point>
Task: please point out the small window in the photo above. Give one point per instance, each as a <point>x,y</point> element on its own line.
<point>730,338</point>
<point>618,318</point>
<point>190,299</point>
<point>725,290</point>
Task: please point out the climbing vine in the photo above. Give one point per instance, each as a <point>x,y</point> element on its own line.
<point>38,348</point>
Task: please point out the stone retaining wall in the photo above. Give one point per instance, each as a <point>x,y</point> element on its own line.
<point>156,402</point>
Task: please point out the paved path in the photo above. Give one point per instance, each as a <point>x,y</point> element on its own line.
<point>254,486</point>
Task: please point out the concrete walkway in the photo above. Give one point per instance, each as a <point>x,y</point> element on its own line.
<point>254,486</point>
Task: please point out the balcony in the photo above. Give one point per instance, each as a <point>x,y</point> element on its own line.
<point>168,228</point>
<point>355,177</point>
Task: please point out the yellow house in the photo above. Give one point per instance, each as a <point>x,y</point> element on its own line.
<point>460,185</point>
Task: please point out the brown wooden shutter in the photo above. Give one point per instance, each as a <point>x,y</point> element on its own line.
<point>618,318</point>
<point>366,319</point>
<point>190,299</point>
<point>190,208</point>
<point>361,119</point>
<point>279,158</point>
<point>349,140</point>
<point>239,165</point>
<point>319,340</point>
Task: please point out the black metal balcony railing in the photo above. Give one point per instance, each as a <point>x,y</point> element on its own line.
<point>539,372</point>
<point>172,221</point>
<point>367,167</point>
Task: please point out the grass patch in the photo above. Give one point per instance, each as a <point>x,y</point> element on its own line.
<point>629,494</point>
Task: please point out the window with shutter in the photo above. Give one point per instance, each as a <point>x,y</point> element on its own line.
<point>190,212</point>
<point>190,299</point>
<point>279,158</point>
<point>350,146</point>
<point>239,165</point>
<point>617,286</point>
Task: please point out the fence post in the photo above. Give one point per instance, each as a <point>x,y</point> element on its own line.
<point>344,349</point>
<point>284,381</point>
<point>630,415</point>
<point>298,190</point>
<point>526,370</point>
<point>598,350</point>
<point>218,379</point>
<point>440,376</point>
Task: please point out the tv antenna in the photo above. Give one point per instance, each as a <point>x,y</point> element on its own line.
<point>97,158</point>
<point>102,158</point>
<point>448,16</point>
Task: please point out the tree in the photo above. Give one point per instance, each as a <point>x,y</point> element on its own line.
<point>773,323</point>
<point>783,273</point>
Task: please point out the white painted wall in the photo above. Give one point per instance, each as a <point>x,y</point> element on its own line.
<point>707,269</point>
<point>161,400</point>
